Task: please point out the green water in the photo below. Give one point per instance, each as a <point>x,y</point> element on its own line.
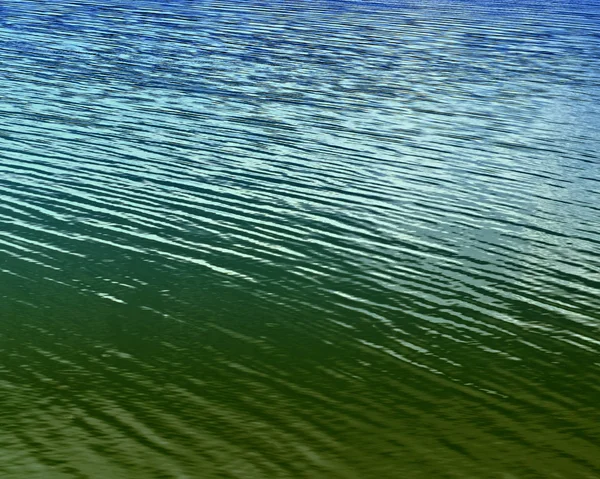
<point>299,240</point>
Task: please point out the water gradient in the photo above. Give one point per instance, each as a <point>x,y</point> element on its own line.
<point>329,239</point>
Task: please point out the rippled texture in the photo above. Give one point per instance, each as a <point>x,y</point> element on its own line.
<point>324,239</point>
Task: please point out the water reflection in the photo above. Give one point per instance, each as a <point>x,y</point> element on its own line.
<point>338,239</point>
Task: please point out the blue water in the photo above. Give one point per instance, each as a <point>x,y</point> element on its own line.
<point>331,239</point>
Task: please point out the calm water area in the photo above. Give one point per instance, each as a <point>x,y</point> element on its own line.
<point>299,239</point>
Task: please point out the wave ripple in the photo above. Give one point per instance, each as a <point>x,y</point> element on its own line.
<point>287,239</point>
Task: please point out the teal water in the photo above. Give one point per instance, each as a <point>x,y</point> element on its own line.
<point>326,239</point>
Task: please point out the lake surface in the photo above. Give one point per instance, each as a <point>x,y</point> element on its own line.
<point>329,239</point>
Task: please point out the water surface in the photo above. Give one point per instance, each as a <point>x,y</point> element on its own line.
<point>326,239</point>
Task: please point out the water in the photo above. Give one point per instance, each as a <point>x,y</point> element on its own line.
<point>325,239</point>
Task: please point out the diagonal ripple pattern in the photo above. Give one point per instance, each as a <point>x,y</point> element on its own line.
<point>329,239</point>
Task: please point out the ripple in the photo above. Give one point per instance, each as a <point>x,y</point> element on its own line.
<point>338,239</point>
